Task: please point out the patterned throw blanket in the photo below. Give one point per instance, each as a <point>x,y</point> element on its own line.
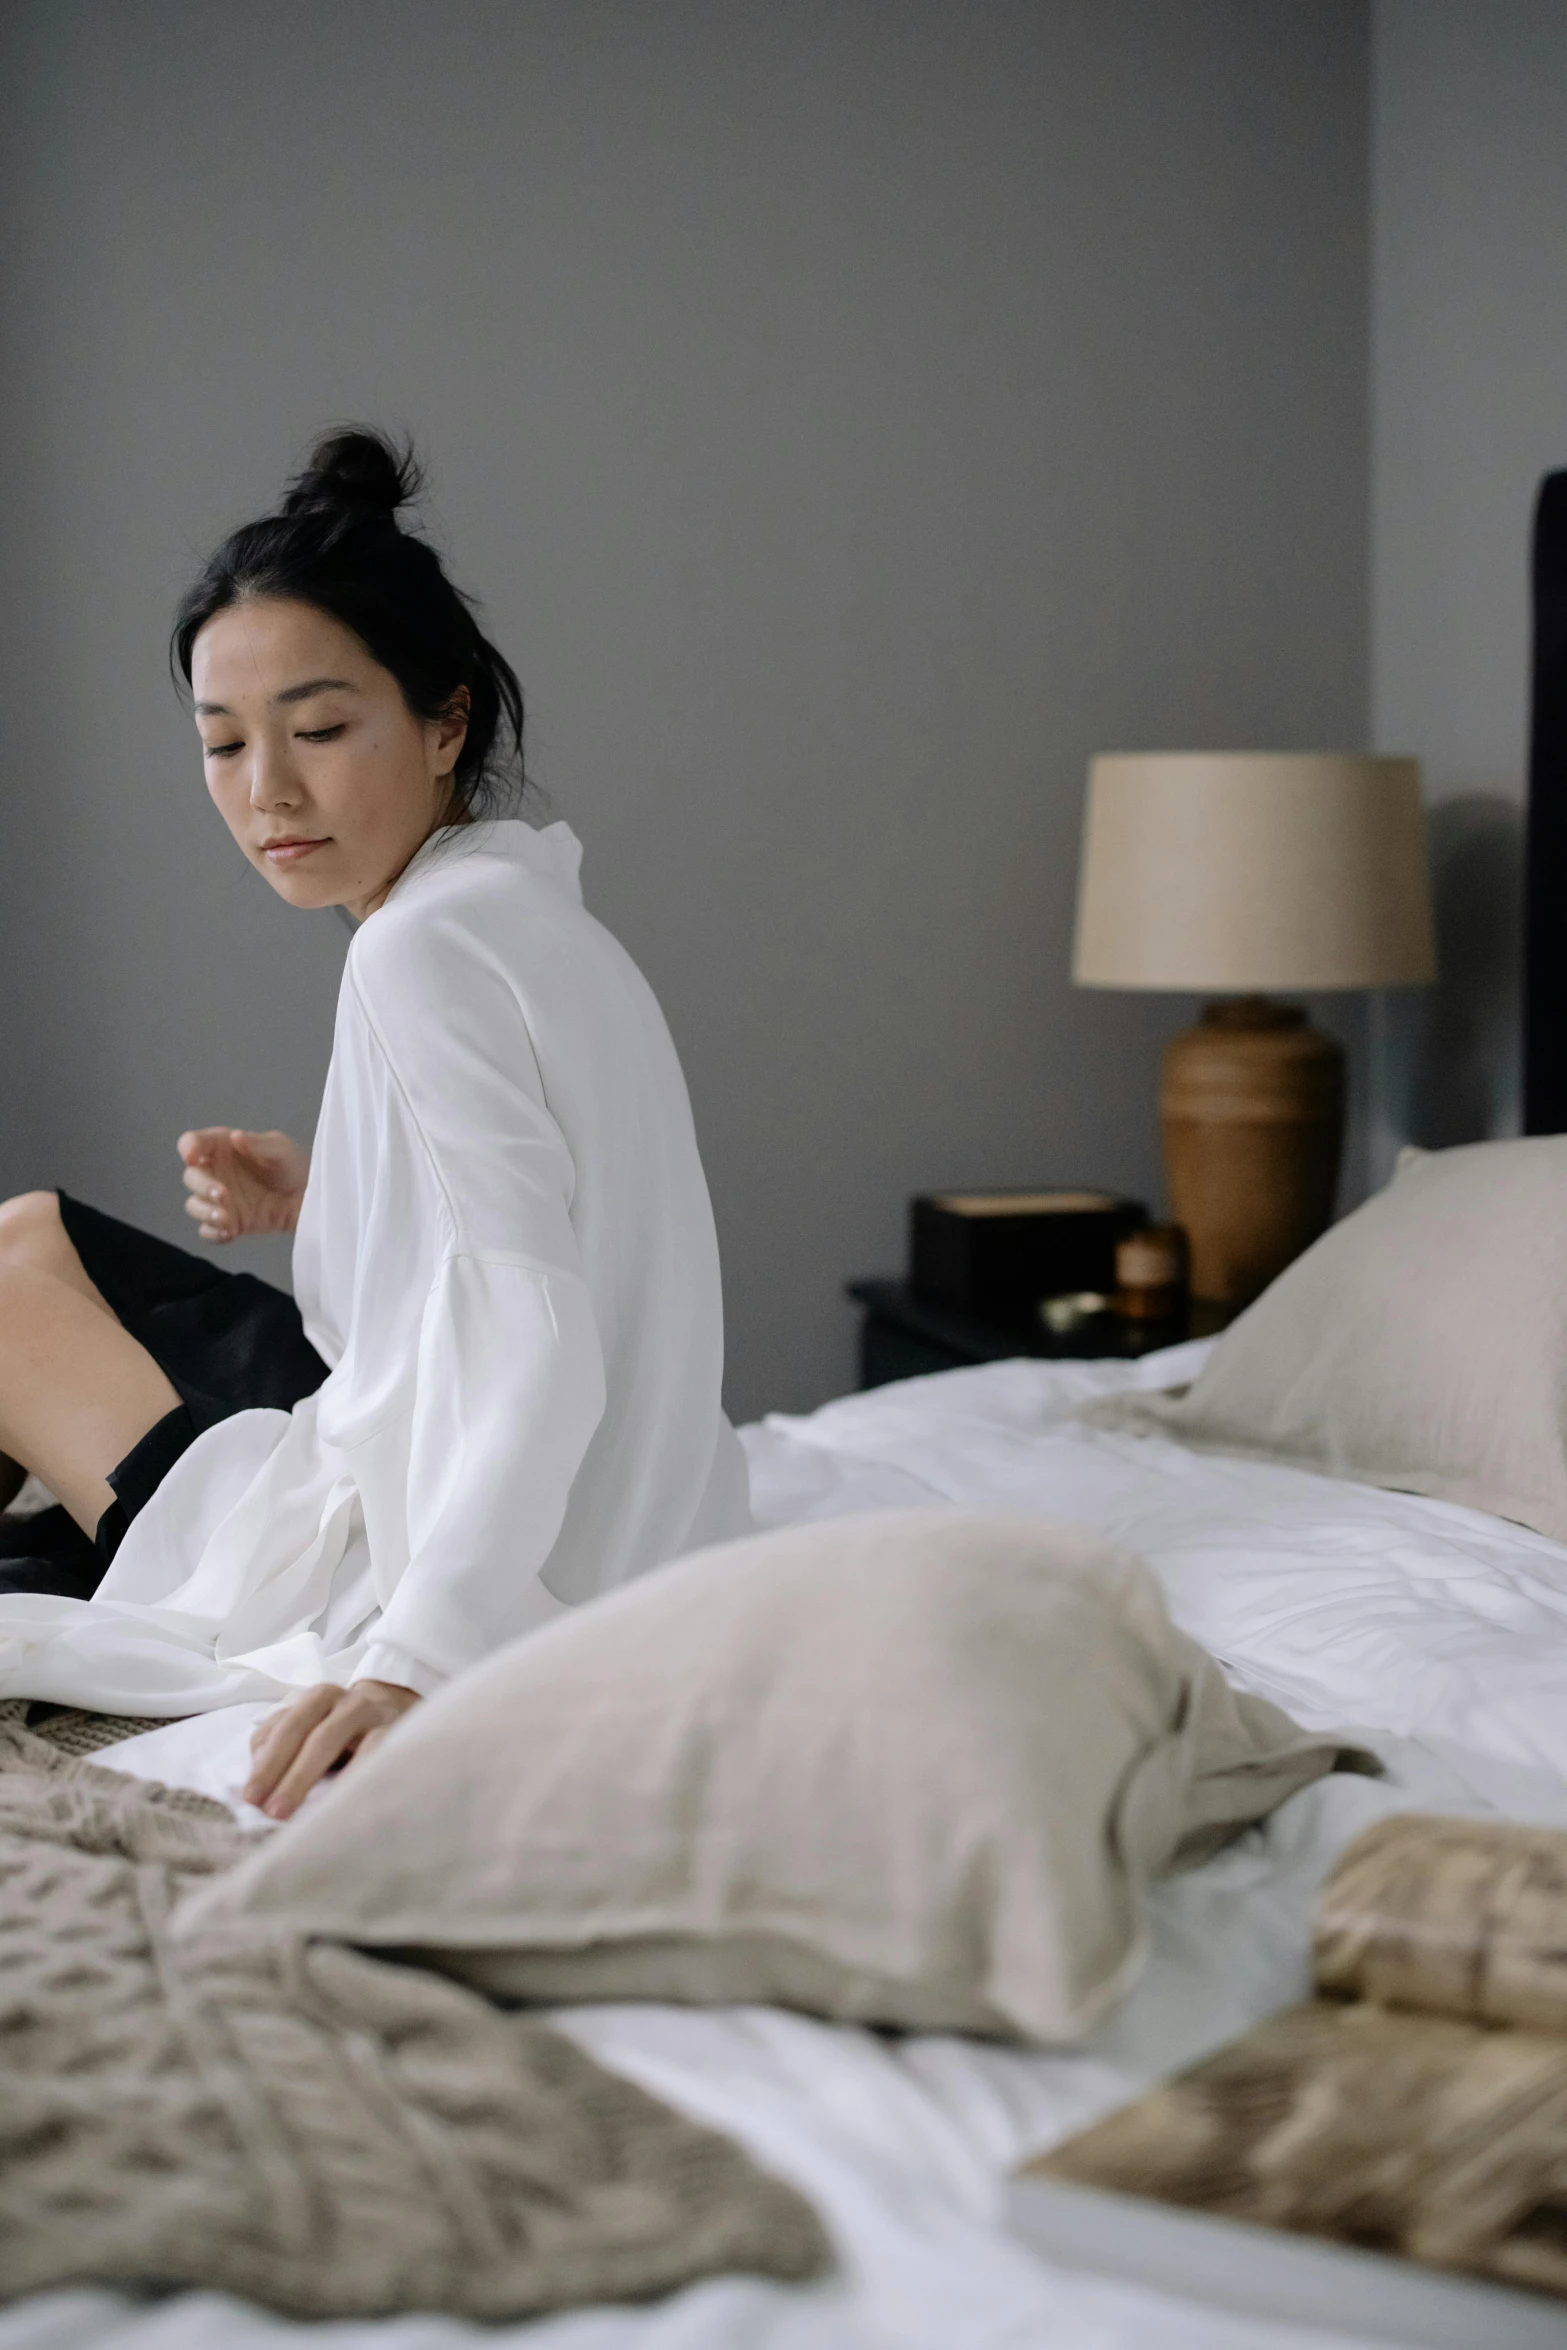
<point>72,1728</point>
<point>332,2134</point>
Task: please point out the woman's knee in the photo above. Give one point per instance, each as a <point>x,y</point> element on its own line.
<point>32,1233</point>
<point>33,1240</point>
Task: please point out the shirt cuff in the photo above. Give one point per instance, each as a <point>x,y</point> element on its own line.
<point>382,1662</point>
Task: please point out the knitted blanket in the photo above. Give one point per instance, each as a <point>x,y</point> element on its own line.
<point>332,2134</point>
<point>72,1727</point>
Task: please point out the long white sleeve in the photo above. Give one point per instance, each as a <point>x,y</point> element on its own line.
<point>508,1371</point>
<point>510,1389</point>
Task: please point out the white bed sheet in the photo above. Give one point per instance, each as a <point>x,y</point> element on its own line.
<point>1343,1603</point>
<point>1440,1634</point>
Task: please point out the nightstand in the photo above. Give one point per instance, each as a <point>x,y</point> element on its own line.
<point>902,1337</point>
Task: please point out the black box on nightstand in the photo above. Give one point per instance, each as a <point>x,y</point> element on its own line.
<point>995,1254</point>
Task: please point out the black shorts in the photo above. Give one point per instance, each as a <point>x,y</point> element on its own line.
<point>226,1342</point>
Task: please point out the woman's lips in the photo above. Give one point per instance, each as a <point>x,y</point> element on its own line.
<point>288,852</point>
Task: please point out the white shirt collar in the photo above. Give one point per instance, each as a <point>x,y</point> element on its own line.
<point>553,851</point>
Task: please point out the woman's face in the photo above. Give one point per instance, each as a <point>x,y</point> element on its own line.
<point>320,770</point>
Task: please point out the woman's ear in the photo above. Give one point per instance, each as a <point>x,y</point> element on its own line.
<point>451,732</point>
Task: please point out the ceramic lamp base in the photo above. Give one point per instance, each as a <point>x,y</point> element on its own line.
<point>1251,1105</point>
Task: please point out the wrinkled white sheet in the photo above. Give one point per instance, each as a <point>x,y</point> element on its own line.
<point>1344,1604</point>
<point>1441,1633</point>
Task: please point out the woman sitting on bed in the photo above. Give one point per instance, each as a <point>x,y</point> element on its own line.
<point>498,1391</point>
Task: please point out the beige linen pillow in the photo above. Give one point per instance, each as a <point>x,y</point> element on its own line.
<point>912,1768</point>
<point>1421,1344</point>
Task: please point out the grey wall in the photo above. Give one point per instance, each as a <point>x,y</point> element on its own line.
<point>1469,406</point>
<point>852,416</point>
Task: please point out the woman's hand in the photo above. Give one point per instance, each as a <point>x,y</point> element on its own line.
<point>297,1746</point>
<point>242,1183</point>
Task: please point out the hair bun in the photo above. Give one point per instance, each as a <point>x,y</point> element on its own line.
<point>358,473</point>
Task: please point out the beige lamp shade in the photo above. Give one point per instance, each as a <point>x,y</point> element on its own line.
<point>1242,872</point>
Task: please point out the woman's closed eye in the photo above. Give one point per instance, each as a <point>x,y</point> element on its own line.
<point>323,734</point>
<point>221,750</point>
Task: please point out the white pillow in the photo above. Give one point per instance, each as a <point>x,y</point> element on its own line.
<point>913,1768</point>
<point>1421,1344</point>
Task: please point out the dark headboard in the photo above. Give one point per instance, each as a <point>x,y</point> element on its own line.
<point>1545,899</point>
<point>1544,985</point>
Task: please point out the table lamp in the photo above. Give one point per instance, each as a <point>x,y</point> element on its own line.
<point>1238,874</point>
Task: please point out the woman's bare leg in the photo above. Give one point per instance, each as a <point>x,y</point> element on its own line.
<point>76,1390</point>
<point>33,1235</point>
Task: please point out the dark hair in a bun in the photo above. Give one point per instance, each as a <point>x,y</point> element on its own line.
<point>356,471</point>
<point>335,542</point>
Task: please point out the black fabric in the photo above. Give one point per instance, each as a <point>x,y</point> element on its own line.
<point>49,1552</point>
<point>140,1474</point>
<point>226,1342</point>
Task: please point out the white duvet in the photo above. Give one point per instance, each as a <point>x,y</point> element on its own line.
<point>1438,1632</point>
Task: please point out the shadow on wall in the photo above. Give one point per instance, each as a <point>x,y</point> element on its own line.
<point>1450,1057</point>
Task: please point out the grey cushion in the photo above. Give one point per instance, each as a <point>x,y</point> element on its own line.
<point>913,1768</point>
<point>1420,1345</point>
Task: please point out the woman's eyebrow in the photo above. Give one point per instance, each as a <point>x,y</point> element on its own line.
<point>290,693</point>
<point>315,685</point>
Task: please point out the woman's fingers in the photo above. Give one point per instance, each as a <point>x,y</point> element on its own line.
<point>241,1182</point>
<point>198,1144</point>
<point>203,1186</point>
<point>211,1208</point>
<point>280,1737</point>
<point>331,1743</point>
<point>207,1159</point>
<point>224,1186</point>
<point>293,1749</point>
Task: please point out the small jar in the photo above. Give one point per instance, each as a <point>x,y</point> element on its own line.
<point>1151,1274</point>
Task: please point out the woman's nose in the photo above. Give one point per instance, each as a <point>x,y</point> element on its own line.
<point>273,783</point>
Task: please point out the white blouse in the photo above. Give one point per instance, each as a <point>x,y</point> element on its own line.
<point>506,1255</point>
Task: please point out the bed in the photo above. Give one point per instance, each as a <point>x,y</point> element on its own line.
<point>1436,1633</point>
